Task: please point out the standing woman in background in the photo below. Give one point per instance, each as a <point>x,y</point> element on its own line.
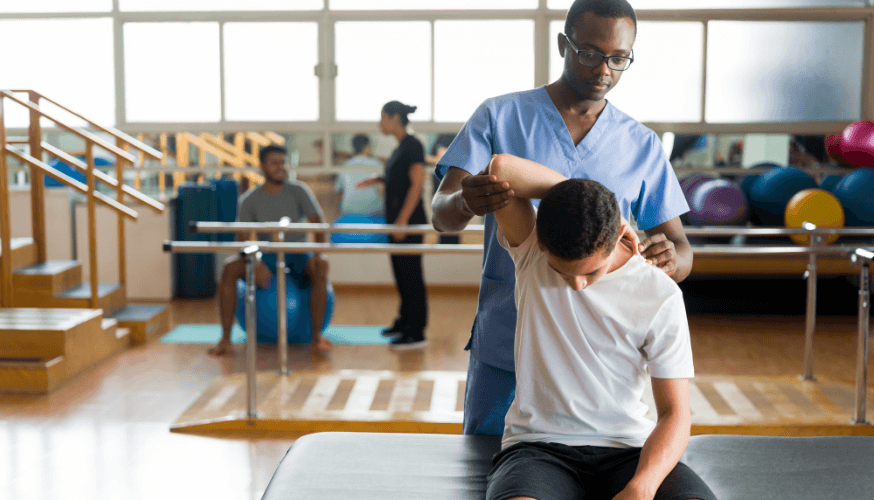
<point>404,176</point>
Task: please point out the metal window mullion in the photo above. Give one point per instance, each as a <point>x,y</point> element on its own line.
<point>222,97</point>
<point>542,43</point>
<point>868,70</point>
<point>433,69</point>
<point>704,75</point>
<point>327,83</point>
<point>118,57</point>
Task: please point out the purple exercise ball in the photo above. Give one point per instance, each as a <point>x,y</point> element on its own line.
<point>717,202</point>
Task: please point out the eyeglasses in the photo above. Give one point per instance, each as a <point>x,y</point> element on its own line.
<point>593,59</point>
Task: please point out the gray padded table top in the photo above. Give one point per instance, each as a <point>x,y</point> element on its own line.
<point>352,466</point>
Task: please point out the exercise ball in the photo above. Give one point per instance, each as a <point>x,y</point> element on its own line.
<point>747,184</point>
<point>829,182</point>
<point>816,206</point>
<point>857,143</point>
<point>689,183</point>
<point>717,202</point>
<point>297,305</point>
<point>856,194</point>
<point>770,194</point>
<point>833,146</point>
<point>359,237</point>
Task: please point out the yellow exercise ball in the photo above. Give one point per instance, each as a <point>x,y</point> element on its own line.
<point>816,206</point>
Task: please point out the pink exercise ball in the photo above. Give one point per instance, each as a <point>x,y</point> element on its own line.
<point>857,143</point>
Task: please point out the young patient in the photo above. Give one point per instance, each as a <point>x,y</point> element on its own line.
<point>593,319</point>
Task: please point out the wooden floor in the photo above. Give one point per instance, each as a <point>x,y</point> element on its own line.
<point>105,433</point>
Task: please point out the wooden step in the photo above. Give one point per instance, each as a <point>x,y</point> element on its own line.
<point>47,278</point>
<point>144,321</point>
<point>23,252</point>
<point>43,333</point>
<point>32,375</point>
<point>111,296</point>
<point>36,358</point>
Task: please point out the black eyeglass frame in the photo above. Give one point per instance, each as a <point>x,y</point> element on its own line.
<point>603,57</point>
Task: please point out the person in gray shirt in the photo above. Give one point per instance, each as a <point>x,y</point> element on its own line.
<point>278,197</point>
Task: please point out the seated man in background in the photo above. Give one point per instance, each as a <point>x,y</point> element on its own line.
<point>593,319</point>
<point>278,197</point>
<point>360,201</point>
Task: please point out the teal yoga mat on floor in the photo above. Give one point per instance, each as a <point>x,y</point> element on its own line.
<point>209,334</point>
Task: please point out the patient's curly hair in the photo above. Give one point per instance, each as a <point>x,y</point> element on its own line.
<point>577,218</point>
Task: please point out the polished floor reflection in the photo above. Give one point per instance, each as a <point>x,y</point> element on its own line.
<point>105,433</point>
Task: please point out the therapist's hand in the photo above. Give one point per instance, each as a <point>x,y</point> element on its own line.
<point>661,252</point>
<point>483,194</point>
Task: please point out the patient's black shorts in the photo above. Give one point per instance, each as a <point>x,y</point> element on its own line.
<point>553,471</point>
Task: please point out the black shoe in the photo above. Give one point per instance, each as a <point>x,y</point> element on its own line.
<point>409,340</point>
<point>394,330</point>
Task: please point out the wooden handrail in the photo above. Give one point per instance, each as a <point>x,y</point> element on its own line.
<point>79,164</point>
<point>84,134</point>
<point>230,149</point>
<point>118,134</point>
<point>211,149</point>
<point>69,181</point>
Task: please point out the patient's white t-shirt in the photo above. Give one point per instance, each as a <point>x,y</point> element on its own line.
<point>582,356</point>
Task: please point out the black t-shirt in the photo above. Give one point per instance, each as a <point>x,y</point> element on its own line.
<point>397,180</point>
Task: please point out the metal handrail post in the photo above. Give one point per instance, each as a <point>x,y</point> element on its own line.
<point>252,256</point>
<point>863,258</point>
<point>281,308</point>
<point>810,326</point>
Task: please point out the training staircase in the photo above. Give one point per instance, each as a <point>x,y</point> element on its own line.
<point>52,324</point>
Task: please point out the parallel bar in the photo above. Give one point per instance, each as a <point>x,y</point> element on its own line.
<point>119,196</point>
<point>414,249</point>
<point>273,227</point>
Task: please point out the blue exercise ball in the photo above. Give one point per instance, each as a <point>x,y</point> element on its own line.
<point>771,192</point>
<point>747,184</point>
<point>359,237</point>
<point>830,182</point>
<point>297,305</point>
<point>856,194</point>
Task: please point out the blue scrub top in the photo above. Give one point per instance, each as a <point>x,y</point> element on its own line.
<point>618,152</point>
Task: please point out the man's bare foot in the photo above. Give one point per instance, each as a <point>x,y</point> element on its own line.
<point>323,344</point>
<point>223,348</point>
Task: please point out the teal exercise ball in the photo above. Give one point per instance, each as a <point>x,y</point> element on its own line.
<point>297,305</point>
<point>856,194</point>
<point>771,192</point>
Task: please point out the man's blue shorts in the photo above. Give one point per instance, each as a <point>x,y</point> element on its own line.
<point>295,264</point>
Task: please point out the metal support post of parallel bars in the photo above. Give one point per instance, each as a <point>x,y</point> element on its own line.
<point>863,258</point>
<point>810,327</point>
<point>251,255</point>
<point>281,307</point>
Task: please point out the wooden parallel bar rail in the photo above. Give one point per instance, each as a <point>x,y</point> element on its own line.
<point>79,164</point>
<point>117,134</point>
<point>94,302</point>
<point>69,181</point>
<point>84,134</point>
<point>37,186</point>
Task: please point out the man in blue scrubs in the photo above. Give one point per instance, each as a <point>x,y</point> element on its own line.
<point>570,127</point>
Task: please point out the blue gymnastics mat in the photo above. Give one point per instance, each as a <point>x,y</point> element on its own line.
<point>211,333</point>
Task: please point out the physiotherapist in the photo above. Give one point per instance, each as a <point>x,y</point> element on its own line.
<point>570,127</point>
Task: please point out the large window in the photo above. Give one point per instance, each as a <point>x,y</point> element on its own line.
<point>172,72</point>
<point>67,60</point>
<point>268,71</point>
<point>789,71</point>
<point>475,60</point>
<point>218,5</point>
<point>378,62</point>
